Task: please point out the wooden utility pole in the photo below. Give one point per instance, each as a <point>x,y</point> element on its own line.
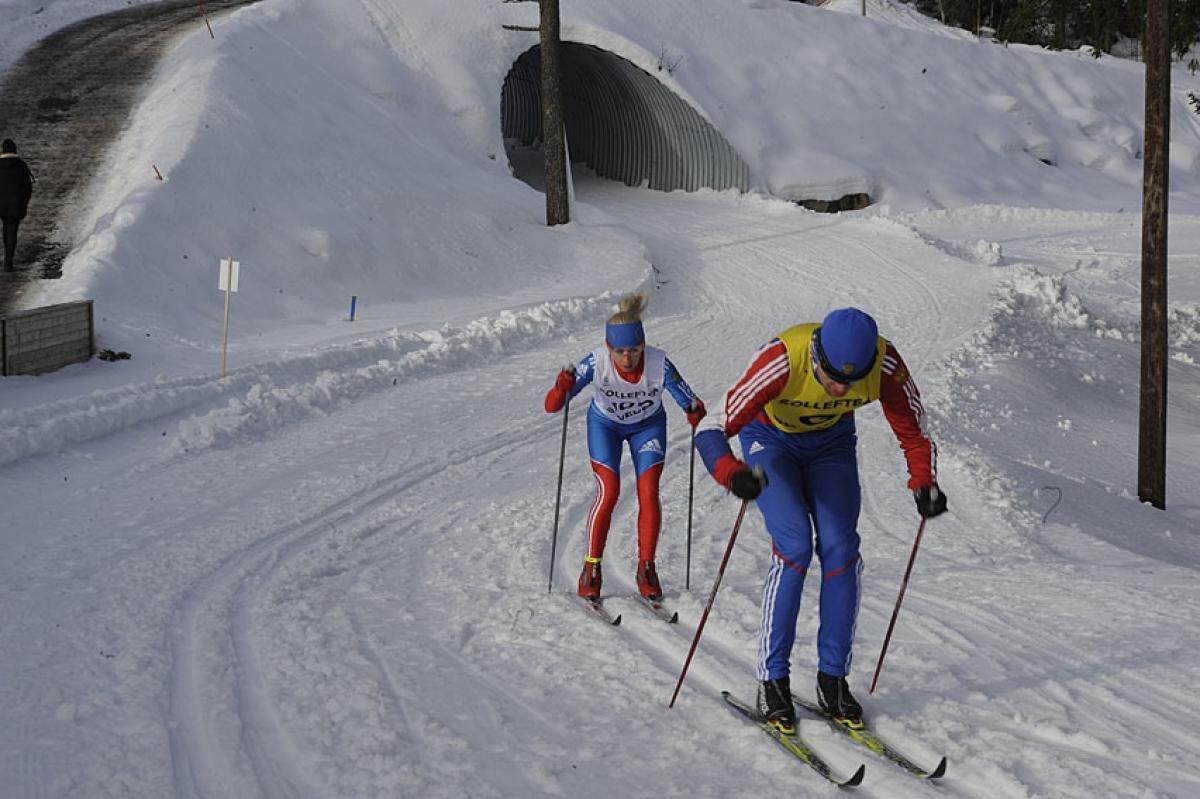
<point>1152,424</point>
<point>554,149</point>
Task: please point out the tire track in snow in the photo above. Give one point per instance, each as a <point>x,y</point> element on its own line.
<point>66,99</point>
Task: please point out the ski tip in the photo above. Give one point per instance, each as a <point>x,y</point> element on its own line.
<point>856,779</point>
<point>674,618</point>
<point>938,772</point>
<point>598,609</point>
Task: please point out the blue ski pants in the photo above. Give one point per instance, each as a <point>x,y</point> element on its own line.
<point>812,495</point>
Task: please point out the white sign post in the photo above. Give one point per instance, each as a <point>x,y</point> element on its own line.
<point>227,281</point>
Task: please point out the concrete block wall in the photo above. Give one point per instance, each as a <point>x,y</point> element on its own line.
<point>44,339</point>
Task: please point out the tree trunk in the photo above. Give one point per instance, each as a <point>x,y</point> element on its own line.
<point>557,208</point>
<point>1152,428</point>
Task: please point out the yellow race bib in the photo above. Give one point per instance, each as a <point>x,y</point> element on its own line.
<point>803,406</point>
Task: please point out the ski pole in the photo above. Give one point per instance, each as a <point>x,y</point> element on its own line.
<point>562,457</point>
<point>711,598</point>
<point>896,612</point>
<point>687,581</point>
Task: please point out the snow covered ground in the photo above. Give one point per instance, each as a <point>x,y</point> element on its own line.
<point>325,575</point>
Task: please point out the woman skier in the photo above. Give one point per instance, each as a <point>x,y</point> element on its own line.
<point>629,380</point>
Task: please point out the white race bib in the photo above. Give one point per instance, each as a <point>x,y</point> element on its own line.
<point>624,402</point>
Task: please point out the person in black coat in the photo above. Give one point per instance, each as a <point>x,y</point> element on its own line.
<point>16,187</point>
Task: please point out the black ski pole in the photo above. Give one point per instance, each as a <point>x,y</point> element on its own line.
<point>896,611</point>
<point>711,598</point>
<point>562,457</point>
<point>687,581</point>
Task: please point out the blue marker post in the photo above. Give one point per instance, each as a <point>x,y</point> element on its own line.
<point>353,303</point>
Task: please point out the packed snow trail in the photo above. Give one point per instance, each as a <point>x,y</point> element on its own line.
<point>326,575</point>
<point>351,600</point>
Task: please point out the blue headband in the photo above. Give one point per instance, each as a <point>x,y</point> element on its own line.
<point>627,334</point>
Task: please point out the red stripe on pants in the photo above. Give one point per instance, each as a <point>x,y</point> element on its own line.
<point>649,511</point>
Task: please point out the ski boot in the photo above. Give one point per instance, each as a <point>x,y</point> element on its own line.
<point>834,697</point>
<point>775,705</point>
<point>647,580</point>
<point>590,579</point>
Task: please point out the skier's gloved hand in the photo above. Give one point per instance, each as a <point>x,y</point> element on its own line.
<point>566,379</point>
<point>931,501</point>
<point>746,484</point>
<point>696,412</point>
<point>556,397</point>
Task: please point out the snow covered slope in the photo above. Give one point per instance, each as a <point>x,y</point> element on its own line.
<point>325,575</point>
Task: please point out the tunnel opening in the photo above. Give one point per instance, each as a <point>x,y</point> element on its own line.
<point>622,123</point>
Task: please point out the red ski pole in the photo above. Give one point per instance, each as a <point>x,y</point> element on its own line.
<point>711,598</point>
<point>896,612</point>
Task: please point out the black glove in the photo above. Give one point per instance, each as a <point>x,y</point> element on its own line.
<point>931,501</point>
<point>747,484</point>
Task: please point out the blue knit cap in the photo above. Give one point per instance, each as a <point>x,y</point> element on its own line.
<point>624,334</point>
<point>846,344</point>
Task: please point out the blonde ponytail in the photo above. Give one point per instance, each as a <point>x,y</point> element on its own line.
<point>630,308</point>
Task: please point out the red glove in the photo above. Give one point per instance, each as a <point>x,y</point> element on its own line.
<point>744,482</point>
<point>556,397</point>
<point>725,468</point>
<point>697,412</point>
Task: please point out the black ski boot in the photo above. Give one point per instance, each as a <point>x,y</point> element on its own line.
<point>775,705</point>
<point>833,694</point>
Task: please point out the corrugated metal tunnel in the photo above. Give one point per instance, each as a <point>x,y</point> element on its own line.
<point>621,122</point>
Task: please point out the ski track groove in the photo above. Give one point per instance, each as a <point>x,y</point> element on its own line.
<point>227,605</point>
<point>1048,646</point>
<point>223,606</point>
